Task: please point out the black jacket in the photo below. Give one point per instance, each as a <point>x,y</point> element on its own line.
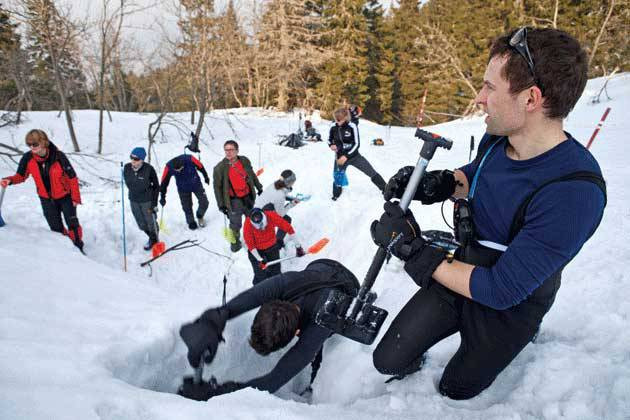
<point>143,184</point>
<point>346,138</point>
<point>308,289</point>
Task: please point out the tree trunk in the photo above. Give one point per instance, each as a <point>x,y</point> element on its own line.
<point>62,95</point>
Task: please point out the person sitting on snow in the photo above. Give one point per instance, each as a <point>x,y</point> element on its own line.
<point>274,197</point>
<point>185,168</point>
<point>288,304</point>
<point>144,189</point>
<point>259,233</point>
<point>311,133</point>
<point>57,184</point>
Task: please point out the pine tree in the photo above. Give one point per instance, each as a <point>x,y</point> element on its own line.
<point>345,75</point>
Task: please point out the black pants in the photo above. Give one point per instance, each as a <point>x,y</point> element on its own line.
<point>53,209</point>
<point>269,254</point>
<point>490,339</point>
<point>364,166</point>
<point>187,204</point>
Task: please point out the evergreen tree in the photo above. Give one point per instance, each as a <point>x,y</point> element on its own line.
<point>344,76</point>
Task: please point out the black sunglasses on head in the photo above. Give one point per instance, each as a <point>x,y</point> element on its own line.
<point>518,42</point>
<point>134,158</point>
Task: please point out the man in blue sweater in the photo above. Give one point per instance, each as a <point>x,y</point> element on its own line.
<point>536,195</point>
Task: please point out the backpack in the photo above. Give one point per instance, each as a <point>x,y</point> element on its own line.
<point>333,274</point>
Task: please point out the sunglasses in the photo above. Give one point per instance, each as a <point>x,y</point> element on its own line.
<point>134,158</point>
<point>32,145</point>
<point>229,150</point>
<point>518,42</point>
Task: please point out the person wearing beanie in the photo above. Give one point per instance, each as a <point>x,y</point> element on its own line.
<point>275,197</point>
<point>259,233</point>
<point>57,184</point>
<point>311,133</point>
<point>144,188</point>
<point>185,168</point>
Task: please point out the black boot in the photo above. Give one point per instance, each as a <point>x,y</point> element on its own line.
<point>192,225</point>
<point>378,181</point>
<point>336,192</point>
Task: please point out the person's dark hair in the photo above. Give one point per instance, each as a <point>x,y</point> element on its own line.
<point>560,64</point>
<point>274,326</point>
<point>231,142</point>
<point>287,178</point>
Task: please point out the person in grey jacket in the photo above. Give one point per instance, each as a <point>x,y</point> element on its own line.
<point>144,188</point>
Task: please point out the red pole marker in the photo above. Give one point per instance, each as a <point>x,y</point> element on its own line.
<point>313,249</point>
<point>599,126</point>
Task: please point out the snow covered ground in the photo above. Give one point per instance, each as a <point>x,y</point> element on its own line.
<point>81,339</point>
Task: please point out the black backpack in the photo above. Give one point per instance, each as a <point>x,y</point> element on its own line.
<point>332,274</point>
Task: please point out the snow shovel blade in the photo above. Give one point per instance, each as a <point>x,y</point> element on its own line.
<point>317,246</point>
<point>260,171</point>
<point>363,329</point>
<point>228,234</point>
<point>158,248</point>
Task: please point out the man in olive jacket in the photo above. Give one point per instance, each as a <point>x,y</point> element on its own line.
<point>235,187</point>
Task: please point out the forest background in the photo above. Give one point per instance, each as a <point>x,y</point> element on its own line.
<point>282,54</point>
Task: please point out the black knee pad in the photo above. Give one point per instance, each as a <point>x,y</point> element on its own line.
<point>384,363</point>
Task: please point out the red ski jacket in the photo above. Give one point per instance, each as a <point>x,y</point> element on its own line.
<point>53,174</point>
<point>265,238</point>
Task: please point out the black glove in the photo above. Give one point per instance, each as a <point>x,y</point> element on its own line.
<point>163,201</point>
<point>395,222</point>
<point>206,390</point>
<point>299,251</point>
<point>435,186</point>
<point>260,192</point>
<point>204,335</point>
<point>224,210</point>
<point>207,181</point>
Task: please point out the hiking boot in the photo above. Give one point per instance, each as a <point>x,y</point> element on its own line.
<point>148,245</point>
<point>192,225</point>
<point>201,222</point>
<point>334,198</point>
<point>236,246</point>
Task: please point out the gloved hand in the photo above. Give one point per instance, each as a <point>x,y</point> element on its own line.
<point>421,260</point>
<point>299,251</point>
<point>395,222</point>
<point>207,181</point>
<point>206,390</point>
<point>204,335</point>
<point>5,182</point>
<point>224,210</point>
<point>262,264</point>
<point>163,201</point>
<point>260,192</point>
<point>435,186</point>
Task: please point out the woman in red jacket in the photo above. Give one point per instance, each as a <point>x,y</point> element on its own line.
<point>57,184</point>
<point>259,233</point>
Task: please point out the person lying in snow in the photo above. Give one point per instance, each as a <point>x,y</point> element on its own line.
<point>287,303</point>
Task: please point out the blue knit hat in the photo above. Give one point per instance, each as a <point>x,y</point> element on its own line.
<point>139,152</point>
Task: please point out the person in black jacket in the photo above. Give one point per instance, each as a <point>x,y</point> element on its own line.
<point>144,188</point>
<point>344,140</point>
<point>288,304</point>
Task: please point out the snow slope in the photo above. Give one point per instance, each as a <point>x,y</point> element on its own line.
<point>81,339</point>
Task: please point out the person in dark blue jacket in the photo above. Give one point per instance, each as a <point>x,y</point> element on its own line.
<point>536,195</point>
<point>184,168</point>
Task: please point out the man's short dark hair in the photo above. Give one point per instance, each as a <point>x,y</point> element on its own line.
<point>274,326</point>
<point>560,64</point>
<point>231,142</point>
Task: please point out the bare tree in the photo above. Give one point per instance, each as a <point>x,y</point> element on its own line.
<point>611,6</point>
<point>59,36</point>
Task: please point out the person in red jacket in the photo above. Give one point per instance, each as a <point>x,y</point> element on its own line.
<point>259,233</point>
<point>57,184</point>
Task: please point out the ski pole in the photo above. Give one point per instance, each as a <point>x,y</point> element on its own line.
<point>313,249</point>
<point>599,126</point>
<point>122,198</point>
<point>2,198</point>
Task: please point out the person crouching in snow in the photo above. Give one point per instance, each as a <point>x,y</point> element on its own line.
<point>57,184</point>
<point>259,233</point>
<point>144,188</point>
<point>184,168</point>
<point>274,197</point>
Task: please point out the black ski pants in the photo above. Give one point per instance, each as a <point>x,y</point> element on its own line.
<point>53,209</point>
<point>364,166</point>
<point>187,204</point>
<point>145,218</point>
<point>269,254</point>
<point>490,338</point>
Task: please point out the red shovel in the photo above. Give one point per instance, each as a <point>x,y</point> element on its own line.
<point>313,249</point>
